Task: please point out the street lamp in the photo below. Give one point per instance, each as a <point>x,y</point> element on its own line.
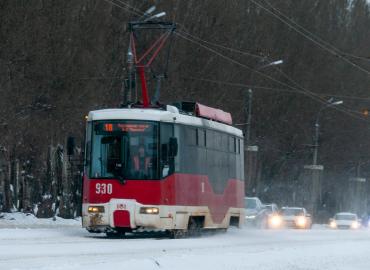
<point>248,115</point>
<point>249,96</point>
<point>317,127</point>
<point>315,171</point>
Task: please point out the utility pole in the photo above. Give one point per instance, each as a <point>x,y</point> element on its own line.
<point>248,116</point>
<point>314,172</point>
<point>249,157</point>
<point>250,154</point>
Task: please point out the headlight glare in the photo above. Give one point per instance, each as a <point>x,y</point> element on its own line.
<point>333,224</point>
<point>275,221</point>
<point>149,210</point>
<point>301,221</point>
<point>95,209</point>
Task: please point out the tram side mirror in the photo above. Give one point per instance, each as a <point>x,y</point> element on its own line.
<point>172,147</point>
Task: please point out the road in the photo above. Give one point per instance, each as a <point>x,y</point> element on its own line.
<point>72,248</point>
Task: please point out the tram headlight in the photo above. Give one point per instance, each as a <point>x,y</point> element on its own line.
<point>95,209</point>
<point>149,210</point>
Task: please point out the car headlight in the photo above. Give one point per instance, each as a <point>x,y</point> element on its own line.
<point>333,224</point>
<point>301,221</point>
<point>355,225</point>
<point>149,210</point>
<point>275,221</point>
<point>95,209</point>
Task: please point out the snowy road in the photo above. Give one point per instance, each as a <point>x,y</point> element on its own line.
<point>72,248</point>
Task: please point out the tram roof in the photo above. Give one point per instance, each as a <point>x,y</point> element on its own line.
<point>171,115</point>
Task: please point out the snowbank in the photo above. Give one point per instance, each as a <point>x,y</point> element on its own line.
<point>22,220</point>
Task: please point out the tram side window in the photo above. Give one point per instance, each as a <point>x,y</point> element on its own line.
<point>218,141</point>
<point>167,162</point>
<point>201,137</point>
<point>232,144</point>
<point>210,139</point>
<point>224,144</point>
<point>191,136</point>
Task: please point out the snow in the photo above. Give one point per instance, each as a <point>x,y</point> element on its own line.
<point>22,220</point>
<point>70,247</point>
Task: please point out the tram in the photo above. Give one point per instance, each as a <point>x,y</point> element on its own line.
<point>170,168</point>
<point>190,176</point>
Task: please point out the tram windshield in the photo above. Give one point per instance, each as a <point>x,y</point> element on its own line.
<point>124,149</point>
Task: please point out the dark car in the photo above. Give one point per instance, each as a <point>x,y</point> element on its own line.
<point>255,213</point>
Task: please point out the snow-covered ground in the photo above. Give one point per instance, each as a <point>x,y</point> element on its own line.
<point>71,247</point>
<point>21,220</point>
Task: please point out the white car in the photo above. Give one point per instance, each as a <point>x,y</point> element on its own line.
<point>295,217</point>
<point>345,221</point>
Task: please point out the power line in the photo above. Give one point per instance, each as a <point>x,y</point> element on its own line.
<point>316,36</point>
<point>283,73</point>
<point>296,91</point>
<point>309,93</point>
<point>325,46</point>
<point>127,7</point>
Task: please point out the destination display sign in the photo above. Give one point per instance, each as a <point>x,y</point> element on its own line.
<point>121,127</point>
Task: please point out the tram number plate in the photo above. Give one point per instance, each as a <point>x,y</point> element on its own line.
<point>121,206</point>
<point>102,188</point>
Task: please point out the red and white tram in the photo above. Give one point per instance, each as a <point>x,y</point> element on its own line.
<point>162,169</point>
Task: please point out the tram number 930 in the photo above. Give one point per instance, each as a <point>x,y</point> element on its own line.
<point>101,188</point>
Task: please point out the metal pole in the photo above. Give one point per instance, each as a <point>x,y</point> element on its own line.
<point>316,142</point>
<point>248,162</point>
<point>249,117</point>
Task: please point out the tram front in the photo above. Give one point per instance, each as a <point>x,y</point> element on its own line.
<point>123,162</point>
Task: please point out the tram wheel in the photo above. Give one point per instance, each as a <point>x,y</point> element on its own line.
<point>177,234</point>
<point>115,234</point>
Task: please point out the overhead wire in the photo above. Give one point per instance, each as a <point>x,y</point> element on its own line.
<point>328,48</point>
<point>316,36</point>
<point>188,37</point>
<point>305,91</point>
<point>298,91</point>
<point>283,73</point>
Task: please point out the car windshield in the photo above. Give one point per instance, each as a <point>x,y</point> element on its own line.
<point>292,212</point>
<point>345,217</point>
<point>250,203</point>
